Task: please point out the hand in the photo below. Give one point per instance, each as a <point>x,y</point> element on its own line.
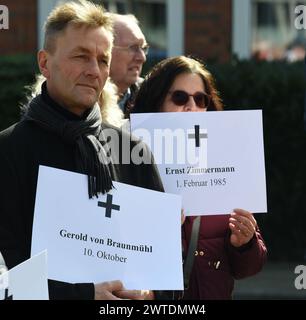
<point>182,217</point>
<point>135,294</point>
<point>105,290</point>
<point>243,226</point>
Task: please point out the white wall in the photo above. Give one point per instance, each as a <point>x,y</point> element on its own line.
<point>241,28</point>
<point>175,27</point>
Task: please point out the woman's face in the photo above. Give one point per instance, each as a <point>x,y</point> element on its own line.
<point>187,93</point>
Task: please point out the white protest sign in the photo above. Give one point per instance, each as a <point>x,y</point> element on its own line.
<point>131,234</point>
<point>215,160</point>
<point>27,281</point>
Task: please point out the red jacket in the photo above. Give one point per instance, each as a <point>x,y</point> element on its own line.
<point>216,262</point>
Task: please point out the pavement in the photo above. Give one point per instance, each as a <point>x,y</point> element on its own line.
<point>275,281</point>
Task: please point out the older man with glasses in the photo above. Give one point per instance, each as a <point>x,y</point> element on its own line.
<point>128,55</point>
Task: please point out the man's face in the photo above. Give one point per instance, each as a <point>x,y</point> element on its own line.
<point>126,65</point>
<point>77,69</point>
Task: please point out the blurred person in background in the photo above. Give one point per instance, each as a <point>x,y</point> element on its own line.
<point>128,56</point>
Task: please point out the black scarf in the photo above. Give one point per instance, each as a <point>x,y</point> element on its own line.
<point>90,155</point>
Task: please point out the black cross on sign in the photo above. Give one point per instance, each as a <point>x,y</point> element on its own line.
<point>6,296</point>
<point>197,135</point>
<point>109,206</point>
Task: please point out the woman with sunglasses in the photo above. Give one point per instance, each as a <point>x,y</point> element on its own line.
<point>229,246</point>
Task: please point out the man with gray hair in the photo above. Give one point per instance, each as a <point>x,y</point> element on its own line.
<point>128,56</point>
<point>62,128</point>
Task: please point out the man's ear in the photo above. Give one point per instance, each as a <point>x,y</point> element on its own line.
<point>42,57</point>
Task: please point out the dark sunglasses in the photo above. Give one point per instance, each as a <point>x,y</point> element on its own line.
<point>180,97</point>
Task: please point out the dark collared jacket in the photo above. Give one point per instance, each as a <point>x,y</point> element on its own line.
<point>23,147</point>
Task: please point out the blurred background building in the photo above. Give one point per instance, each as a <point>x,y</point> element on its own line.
<point>211,29</point>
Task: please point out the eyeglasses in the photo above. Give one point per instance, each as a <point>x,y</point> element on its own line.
<point>135,48</point>
<point>180,97</point>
